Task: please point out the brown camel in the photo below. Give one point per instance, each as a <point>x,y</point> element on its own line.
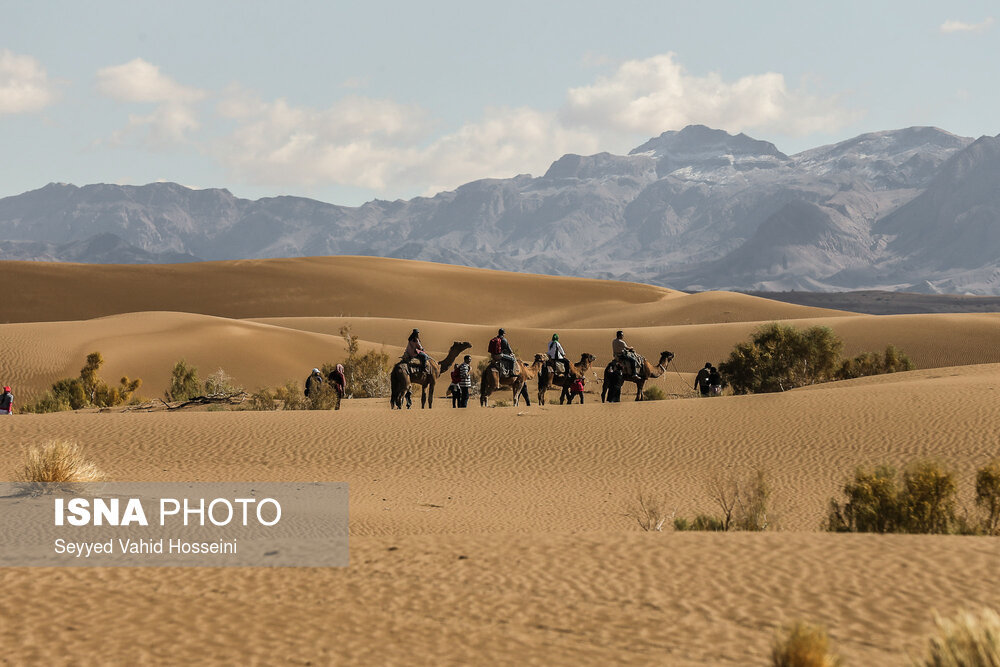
<point>402,377</point>
<point>547,379</point>
<point>492,381</point>
<point>646,372</point>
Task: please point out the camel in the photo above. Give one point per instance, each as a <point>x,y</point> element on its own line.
<point>492,381</point>
<point>547,379</point>
<point>401,379</point>
<point>646,372</point>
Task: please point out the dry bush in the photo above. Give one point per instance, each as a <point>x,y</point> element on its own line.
<point>967,640</point>
<point>57,461</point>
<point>871,505</point>
<point>648,511</point>
<point>290,396</point>
<point>653,393</point>
<point>262,400</point>
<point>988,497</point>
<point>742,501</point>
<point>221,383</point>
<point>803,645</point>
<point>367,374</point>
<point>927,501</point>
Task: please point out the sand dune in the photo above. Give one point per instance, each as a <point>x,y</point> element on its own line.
<point>494,536</point>
<point>534,500</point>
<point>362,287</point>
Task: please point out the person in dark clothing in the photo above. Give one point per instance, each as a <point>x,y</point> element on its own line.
<point>338,380</point>
<point>454,388</point>
<point>524,395</point>
<point>612,389</point>
<point>6,402</point>
<point>502,353</point>
<point>465,380</point>
<point>715,381</point>
<point>313,383</point>
<point>701,381</point>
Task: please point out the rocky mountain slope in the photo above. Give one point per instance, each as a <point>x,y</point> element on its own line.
<point>915,209</point>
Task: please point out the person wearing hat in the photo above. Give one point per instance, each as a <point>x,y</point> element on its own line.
<point>415,349</point>
<point>465,381</point>
<point>6,402</point>
<point>313,382</point>
<point>501,352</point>
<point>558,354</point>
<point>338,380</point>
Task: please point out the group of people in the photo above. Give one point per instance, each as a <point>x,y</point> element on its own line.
<point>335,379</point>
<point>708,381</point>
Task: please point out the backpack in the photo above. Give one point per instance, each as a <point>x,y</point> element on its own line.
<point>495,345</point>
<point>456,377</point>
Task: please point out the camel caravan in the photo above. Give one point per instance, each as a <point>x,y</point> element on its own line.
<point>505,371</point>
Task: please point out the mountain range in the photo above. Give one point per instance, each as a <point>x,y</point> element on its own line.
<point>916,209</point>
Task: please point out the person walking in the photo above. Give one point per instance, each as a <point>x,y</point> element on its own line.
<point>702,381</point>
<point>465,380</point>
<point>338,380</point>
<point>6,402</point>
<point>576,389</point>
<point>313,383</point>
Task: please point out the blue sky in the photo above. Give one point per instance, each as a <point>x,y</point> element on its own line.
<point>346,102</point>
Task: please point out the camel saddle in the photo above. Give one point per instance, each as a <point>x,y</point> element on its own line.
<point>499,368</point>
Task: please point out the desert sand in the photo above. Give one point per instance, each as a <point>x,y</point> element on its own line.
<point>499,535</point>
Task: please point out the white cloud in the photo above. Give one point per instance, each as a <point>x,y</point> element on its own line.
<point>24,84</point>
<point>170,122</point>
<point>140,81</point>
<point>952,25</point>
<point>389,147</point>
<point>651,95</point>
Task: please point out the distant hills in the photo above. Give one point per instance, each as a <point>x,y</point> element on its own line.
<point>916,209</point>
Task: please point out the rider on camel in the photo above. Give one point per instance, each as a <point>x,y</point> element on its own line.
<point>558,355</point>
<point>501,352</point>
<point>415,350</point>
<point>625,354</point>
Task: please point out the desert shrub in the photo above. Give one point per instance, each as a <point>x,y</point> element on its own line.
<point>871,505</point>
<point>876,503</point>
<point>653,393</point>
<point>220,383</point>
<point>700,522</point>
<point>262,399</point>
<point>367,374</point>
<point>184,383</point>
<point>648,511</point>
<point>872,363</point>
<point>57,461</point>
<point>803,645</point>
<point>779,357</point>
<point>87,390</point>
<point>290,396</point>
<point>967,640</point>
<point>502,403</point>
<point>927,500</point>
<point>322,398</point>
<point>988,497</point>
<point>743,502</point>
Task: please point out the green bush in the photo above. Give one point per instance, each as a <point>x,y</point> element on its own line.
<point>872,363</point>
<point>780,357</point>
<point>988,497</point>
<point>87,390</point>
<point>928,499</point>
<point>184,383</point>
<point>653,393</point>
<point>876,503</point>
<point>367,374</point>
